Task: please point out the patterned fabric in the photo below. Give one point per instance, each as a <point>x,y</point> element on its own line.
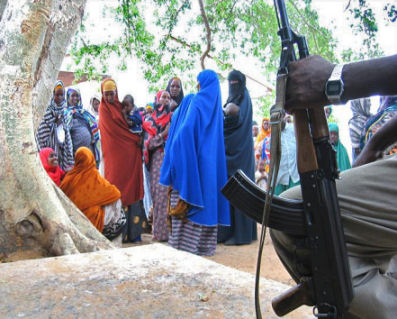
<point>159,197</point>
<point>73,110</point>
<point>265,152</point>
<point>51,132</point>
<point>136,222</point>
<point>361,109</point>
<point>153,125</point>
<point>262,134</point>
<point>193,238</point>
<point>115,220</point>
<point>387,111</point>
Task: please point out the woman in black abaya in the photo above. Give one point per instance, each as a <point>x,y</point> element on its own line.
<point>239,155</point>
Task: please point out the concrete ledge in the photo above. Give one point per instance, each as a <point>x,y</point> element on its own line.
<point>151,281</point>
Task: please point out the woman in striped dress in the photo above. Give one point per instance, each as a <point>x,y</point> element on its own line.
<point>195,167</point>
<point>52,130</point>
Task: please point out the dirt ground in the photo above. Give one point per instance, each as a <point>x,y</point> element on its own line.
<point>244,258</point>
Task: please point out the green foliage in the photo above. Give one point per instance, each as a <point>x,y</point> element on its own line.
<point>364,23</point>
<point>177,36</point>
<point>391,12</point>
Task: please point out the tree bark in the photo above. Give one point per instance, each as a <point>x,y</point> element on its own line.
<point>34,214</point>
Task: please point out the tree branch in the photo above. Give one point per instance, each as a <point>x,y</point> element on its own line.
<point>348,5</point>
<point>208,35</point>
<point>316,29</point>
<point>184,43</point>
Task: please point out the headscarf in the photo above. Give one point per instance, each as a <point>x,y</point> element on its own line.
<point>177,119</point>
<point>196,166</point>
<point>154,124</point>
<point>121,149</point>
<point>361,109</point>
<point>180,96</point>
<point>87,189</point>
<point>162,113</point>
<point>237,87</point>
<point>78,109</point>
<point>47,135</point>
<point>55,173</point>
<point>94,97</point>
<point>262,134</point>
<point>342,158</point>
<point>238,134</point>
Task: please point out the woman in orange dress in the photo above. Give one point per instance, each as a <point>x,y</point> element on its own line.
<point>93,195</point>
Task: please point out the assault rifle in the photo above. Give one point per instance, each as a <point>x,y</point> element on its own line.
<point>317,218</point>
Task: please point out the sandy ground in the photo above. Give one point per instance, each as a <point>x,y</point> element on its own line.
<point>244,258</point>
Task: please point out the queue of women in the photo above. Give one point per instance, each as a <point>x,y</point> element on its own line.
<point>168,162</point>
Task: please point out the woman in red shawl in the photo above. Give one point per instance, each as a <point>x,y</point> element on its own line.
<point>49,159</point>
<point>122,156</point>
<point>93,195</point>
<point>156,128</point>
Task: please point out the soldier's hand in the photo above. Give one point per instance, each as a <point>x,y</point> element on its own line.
<point>368,155</point>
<point>306,83</point>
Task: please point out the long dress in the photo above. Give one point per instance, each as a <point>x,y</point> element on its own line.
<point>153,125</point>
<point>195,166</point>
<point>239,155</point>
<point>52,131</point>
<point>82,126</point>
<point>159,198</point>
<point>122,156</point>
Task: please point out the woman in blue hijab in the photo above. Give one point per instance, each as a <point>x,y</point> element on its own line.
<point>195,167</point>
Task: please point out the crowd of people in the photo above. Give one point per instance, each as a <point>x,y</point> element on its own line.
<point>155,169</point>
<point>161,168</point>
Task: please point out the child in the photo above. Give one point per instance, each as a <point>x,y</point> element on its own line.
<point>50,163</point>
<point>131,114</point>
<point>231,112</point>
<point>260,175</point>
<point>231,109</point>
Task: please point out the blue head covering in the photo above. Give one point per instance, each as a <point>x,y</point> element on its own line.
<point>176,121</point>
<point>194,162</point>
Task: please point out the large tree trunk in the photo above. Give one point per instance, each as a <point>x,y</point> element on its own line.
<point>34,214</point>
